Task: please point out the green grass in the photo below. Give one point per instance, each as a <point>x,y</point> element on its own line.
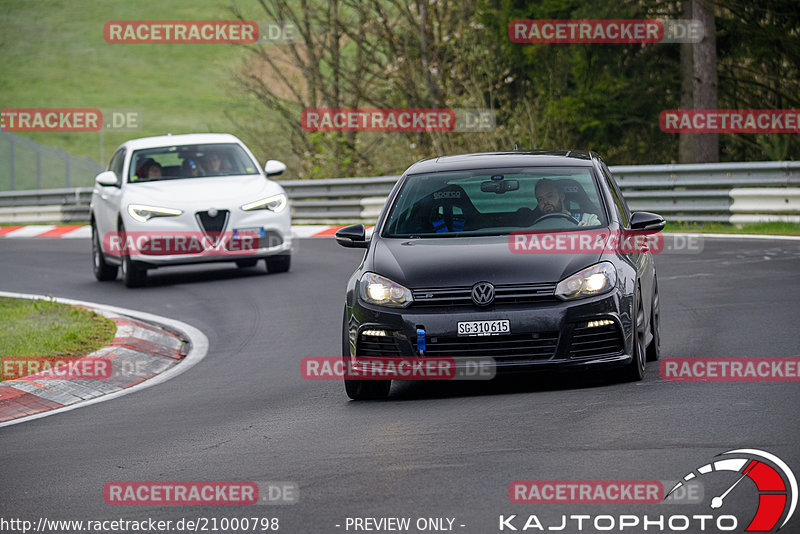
<point>770,228</point>
<point>45,329</point>
<point>53,55</point>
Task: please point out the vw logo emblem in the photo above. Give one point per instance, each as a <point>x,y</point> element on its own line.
<point>483,293</point>
<point>212,212</point>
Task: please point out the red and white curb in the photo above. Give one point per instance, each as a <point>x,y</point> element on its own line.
<point>85,231</point>
<point>146,351</point>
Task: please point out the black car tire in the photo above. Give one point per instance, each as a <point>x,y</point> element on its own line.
<point>654,349</point>
<point>249,262</point>
<point>634,371</point>
<point>278,264</point>
<point>102,270</point>
<point>361,389</point>
<point>133,274</point>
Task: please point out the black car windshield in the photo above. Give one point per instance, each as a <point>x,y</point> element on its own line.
<point>496,202</point>
<point>190,161</point>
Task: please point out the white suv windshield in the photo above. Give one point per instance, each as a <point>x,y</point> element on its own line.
<point>190,161</point>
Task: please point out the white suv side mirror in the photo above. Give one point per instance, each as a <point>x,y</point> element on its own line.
<point>106,178</point>
<point>274,167</point>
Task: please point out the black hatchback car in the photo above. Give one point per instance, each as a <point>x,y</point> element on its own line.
<point>481,255</point>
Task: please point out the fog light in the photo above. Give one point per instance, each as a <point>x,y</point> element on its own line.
<point>376,333</point>
<point>601,322</point>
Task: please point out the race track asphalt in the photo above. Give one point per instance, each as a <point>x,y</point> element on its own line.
<point>432,449</point>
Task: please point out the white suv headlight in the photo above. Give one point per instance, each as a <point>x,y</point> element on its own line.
<point>143,213</point>
<point>275,203</point>
<point>591,281</point>
<point>375,289</point>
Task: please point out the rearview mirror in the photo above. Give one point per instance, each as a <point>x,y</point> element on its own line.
<point>274,167</point>
<point>106,178</point>
<point>499,186</point>
<point>353,236</point>
<point>644,220</point>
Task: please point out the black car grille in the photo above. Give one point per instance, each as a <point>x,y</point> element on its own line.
<point>503,348</point>
<point>504,294</point>
<point>596,341</point>
<point>377,346</point>
<point>212,226</point>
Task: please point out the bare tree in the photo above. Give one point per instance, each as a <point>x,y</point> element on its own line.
<point>686,143</point>
<point>704,55</point>
<point>374,53</point>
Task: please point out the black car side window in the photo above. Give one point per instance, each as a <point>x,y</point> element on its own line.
<point>622,206</point>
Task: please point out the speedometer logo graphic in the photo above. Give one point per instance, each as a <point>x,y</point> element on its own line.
<point>777,486</point>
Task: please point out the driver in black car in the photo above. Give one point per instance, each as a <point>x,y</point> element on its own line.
<point>551,200</point>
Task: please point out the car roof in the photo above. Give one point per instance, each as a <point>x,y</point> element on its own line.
<point>530,158</point>
<point>178,140</point>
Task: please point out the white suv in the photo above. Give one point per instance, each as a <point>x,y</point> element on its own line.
<point>181,199</point>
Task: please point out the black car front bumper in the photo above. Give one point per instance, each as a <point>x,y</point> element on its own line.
<point>553,334</point>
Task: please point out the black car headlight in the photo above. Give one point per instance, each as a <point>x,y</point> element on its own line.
<point>376,289</point>
<point>594,280</point>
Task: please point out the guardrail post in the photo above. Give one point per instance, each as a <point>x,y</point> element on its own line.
<point>38,166</point>
<point>67,159</point>
<point>11,160</point>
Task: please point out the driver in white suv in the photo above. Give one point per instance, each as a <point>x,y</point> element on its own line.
<point>551,200</point>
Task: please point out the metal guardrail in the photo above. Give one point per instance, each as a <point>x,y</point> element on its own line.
<point>721,192</point>
<point>26,164</point>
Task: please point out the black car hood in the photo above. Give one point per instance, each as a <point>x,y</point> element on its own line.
<point>463,261</point>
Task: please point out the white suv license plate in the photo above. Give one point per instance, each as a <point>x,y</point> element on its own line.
<point>484,328</point>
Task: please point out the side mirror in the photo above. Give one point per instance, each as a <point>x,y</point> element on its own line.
<point>274,167</point>
<point>354,236</point>
<point>644,220</point>
<point>106,178</point>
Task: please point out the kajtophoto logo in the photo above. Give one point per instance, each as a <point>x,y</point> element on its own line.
<point>774,499</point>
<point>775,482</point>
